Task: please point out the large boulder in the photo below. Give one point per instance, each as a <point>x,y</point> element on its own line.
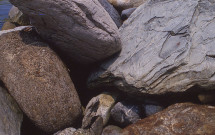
<point>178,119</point>
<point>81,29</point>
<point>38,80</point>
<point>168,46</point>
<point>10,114</point>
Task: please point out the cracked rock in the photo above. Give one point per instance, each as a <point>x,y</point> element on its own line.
<point>80,29</point>
<point>168,46</point>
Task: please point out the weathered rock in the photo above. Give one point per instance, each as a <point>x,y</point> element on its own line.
<point>37,79</point>
<point>111,130</point>
<point>67,131</point>
<point>16,16</point>
<point>208,97</point>
<point>82,30</point>
<point>168,46</point>
<point>183,118</point>
<point>125,113</point>
<point>112,12</point>
<point>100,105</point>
<point>125,4</point>
<point>8,25</point>
<point>151,109</point>
<point>10,114</point>
<point>126,13</point>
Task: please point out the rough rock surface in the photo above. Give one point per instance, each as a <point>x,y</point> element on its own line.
<point>125,4</point>
<point>82,30</point>
<point>10,114</point>
<point>111,130</point>
<point>178,119</point>
<point>112,12</point>
<point>8,25</point>
<point>37,79</point>
<point>167,48</point>
<point>125,113</point>
<point>67,131</point>
<point>100,105</point>
<point>16,16</point>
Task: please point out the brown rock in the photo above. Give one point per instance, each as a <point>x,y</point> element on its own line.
<point>178,119</point>
<point>8,25</point>
<point>38,80</point>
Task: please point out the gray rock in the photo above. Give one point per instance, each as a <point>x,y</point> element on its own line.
<point>38,80</point>
<point>112,12</point>
<point>100,105</point>
<point>151,109</point>
<point>16,16</point>
<point>125,4</point>
<point>10,114</point>
<point>67,131</point>
<point>125,113</point>
<point>126,13</point>
<point>82,30</point>
<point>168,46</point>
<point>111,130</point>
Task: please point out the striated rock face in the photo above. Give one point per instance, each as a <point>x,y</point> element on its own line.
<point>168,46</point>
<point>125,4</point>
<point>112,12</point>
<point>178,119</point>
<point>10,114</point>
<point>38,80</point>
<point>100,105</point>
<point>82,30</point>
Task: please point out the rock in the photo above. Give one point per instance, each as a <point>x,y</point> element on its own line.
<point>67,131</point>
<point>100,105</point>
<point>183,118</point>
<point>125,4</point>
<point>82,30</point>
<point>151,109</point>
<point>125,113</point>
<point>10,115</point>
<point>8,25</point>
<point>126,13</point>
<point>38,80</point>
<point>207,97</point>
<point>16,16</point>
<point>167,48</point>
<point>112,12</point>
<point>111,130</point>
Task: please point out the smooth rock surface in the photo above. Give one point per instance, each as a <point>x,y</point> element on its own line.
<point>100,105</point>
<point>151,109</point>
<point>112,12</point>
<point>38,80</point>
<point>82,30</point>
<point>178,119</point>
<point>125,4</point>
<point>126,13</point>
<point>111,130</point>
<point>168,46</point>
<point>10,115</point>
<point>125,113</point>
<point>16,16</point>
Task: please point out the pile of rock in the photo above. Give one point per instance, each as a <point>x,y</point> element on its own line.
<point>145,70</point>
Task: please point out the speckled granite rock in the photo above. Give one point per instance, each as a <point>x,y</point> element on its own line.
<point>111,130</point>
<point>126,113</point>
<point>178,119</point>
<point>38,80</point>
<point>100,105</point>
<point>112,12</point>
<point>168,46</point>
<point>10,114</point>
<point>82,30</point>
